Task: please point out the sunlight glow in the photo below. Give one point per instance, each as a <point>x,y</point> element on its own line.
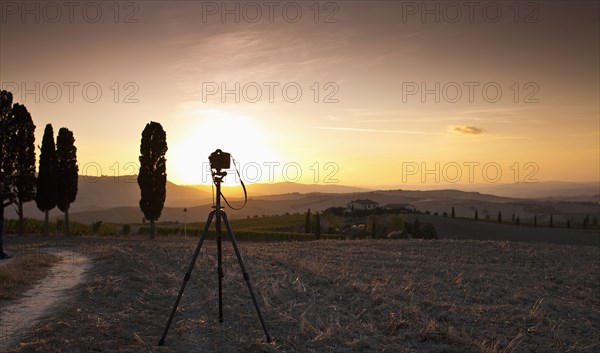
<point>245,137</point>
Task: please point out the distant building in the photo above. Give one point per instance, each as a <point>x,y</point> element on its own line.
<point>401,207</point>
<point>365,204</point>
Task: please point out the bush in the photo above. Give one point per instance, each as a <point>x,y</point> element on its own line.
<point>96,226</point>
<point>428,231</point>
<point>423,230</point>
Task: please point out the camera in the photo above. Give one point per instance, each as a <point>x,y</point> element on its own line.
<point>219,160</point>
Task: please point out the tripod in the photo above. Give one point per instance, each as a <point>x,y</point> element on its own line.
<point>219,213</point>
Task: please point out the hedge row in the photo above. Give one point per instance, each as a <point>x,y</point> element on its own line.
<point>35,226</point>
<point>243,235</point>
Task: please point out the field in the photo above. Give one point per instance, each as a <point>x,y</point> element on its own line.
<point>326,296</point>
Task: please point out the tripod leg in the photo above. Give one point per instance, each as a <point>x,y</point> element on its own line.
<point>246,276</point>
<point>219,263</point>
<point>187,277</point>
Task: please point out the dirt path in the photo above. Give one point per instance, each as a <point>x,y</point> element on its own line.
<point>21,315</point>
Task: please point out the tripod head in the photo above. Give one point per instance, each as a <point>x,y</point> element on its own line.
<point>219,162</point>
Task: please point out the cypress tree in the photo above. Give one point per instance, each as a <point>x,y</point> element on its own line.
<point>453,215</point>
<point>551,220</point>
<point>67,172</point>
<point>7,160</point>
<point>374,227</point>
<point>307,222</point>
<point>500,217</point>
<point>417,228</point>
<point>476,216</point>
<point>46,191</point>
<point>152,178</point>
<point>23,144</point>
<point>318,226</point>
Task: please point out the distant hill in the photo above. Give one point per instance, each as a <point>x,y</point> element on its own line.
<point>116,200</point>
<point>439,201</point>
<point>101,193</point>
<point>566,191</point>
<point>280,188</point>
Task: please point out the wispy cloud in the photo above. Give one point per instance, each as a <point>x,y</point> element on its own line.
<point>351,129</point>
<point>468,130</point>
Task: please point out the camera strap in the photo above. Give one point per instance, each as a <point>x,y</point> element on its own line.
<point>243,187</point>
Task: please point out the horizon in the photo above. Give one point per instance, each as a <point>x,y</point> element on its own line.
<point>389,92</point>
<point>229,184</point>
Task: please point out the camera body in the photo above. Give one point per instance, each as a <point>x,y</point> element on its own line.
<point>219,160</point>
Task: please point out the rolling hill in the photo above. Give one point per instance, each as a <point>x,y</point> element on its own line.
<point>116,200</point>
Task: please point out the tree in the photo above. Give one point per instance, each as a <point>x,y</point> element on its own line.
<point>373,221</point>
<point>307,222</point>
<point>513,217</point>
<point>518,221</point>
<point>568,223</point>
<point>7,156</point>
<point>23,144</point>
<point>67,170</point>
<point>476,216</point>
<point>152,177</point>
<point>395,223</point>
<point>586,221</point>
<point>46,190</point>
<point>452,214</point>
<point>416,228</point>
<point>535,221</point>
<point>499,216</point>
<point>428,231</point>
<point>318,226</point>
<point>551,221</point>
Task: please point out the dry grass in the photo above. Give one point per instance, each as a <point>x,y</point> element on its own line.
<point>23,272</point>
<point>335,296</point>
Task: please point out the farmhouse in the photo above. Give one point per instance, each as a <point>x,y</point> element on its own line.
<point>401,207</point>
<point>365,204</point>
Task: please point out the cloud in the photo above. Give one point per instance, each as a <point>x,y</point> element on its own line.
<point>469,130</point>
<point>414,132</point>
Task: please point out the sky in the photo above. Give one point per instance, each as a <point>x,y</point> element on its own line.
<point>395,94</point>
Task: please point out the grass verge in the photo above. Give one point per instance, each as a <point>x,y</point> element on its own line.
<point>23,272</point>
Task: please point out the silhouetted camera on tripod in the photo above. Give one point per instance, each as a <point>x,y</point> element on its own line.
<point>219,160</point>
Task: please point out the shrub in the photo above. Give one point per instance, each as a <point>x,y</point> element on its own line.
<point>96,226</point>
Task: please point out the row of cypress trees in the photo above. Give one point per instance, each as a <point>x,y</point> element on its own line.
<point>57,175</point>
<point>55,184</point>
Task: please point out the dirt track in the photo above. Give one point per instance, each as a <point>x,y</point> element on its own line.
<point>42,299</point>
<point>334,296</point>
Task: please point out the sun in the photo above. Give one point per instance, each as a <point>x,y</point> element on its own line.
<point>243,136</point>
